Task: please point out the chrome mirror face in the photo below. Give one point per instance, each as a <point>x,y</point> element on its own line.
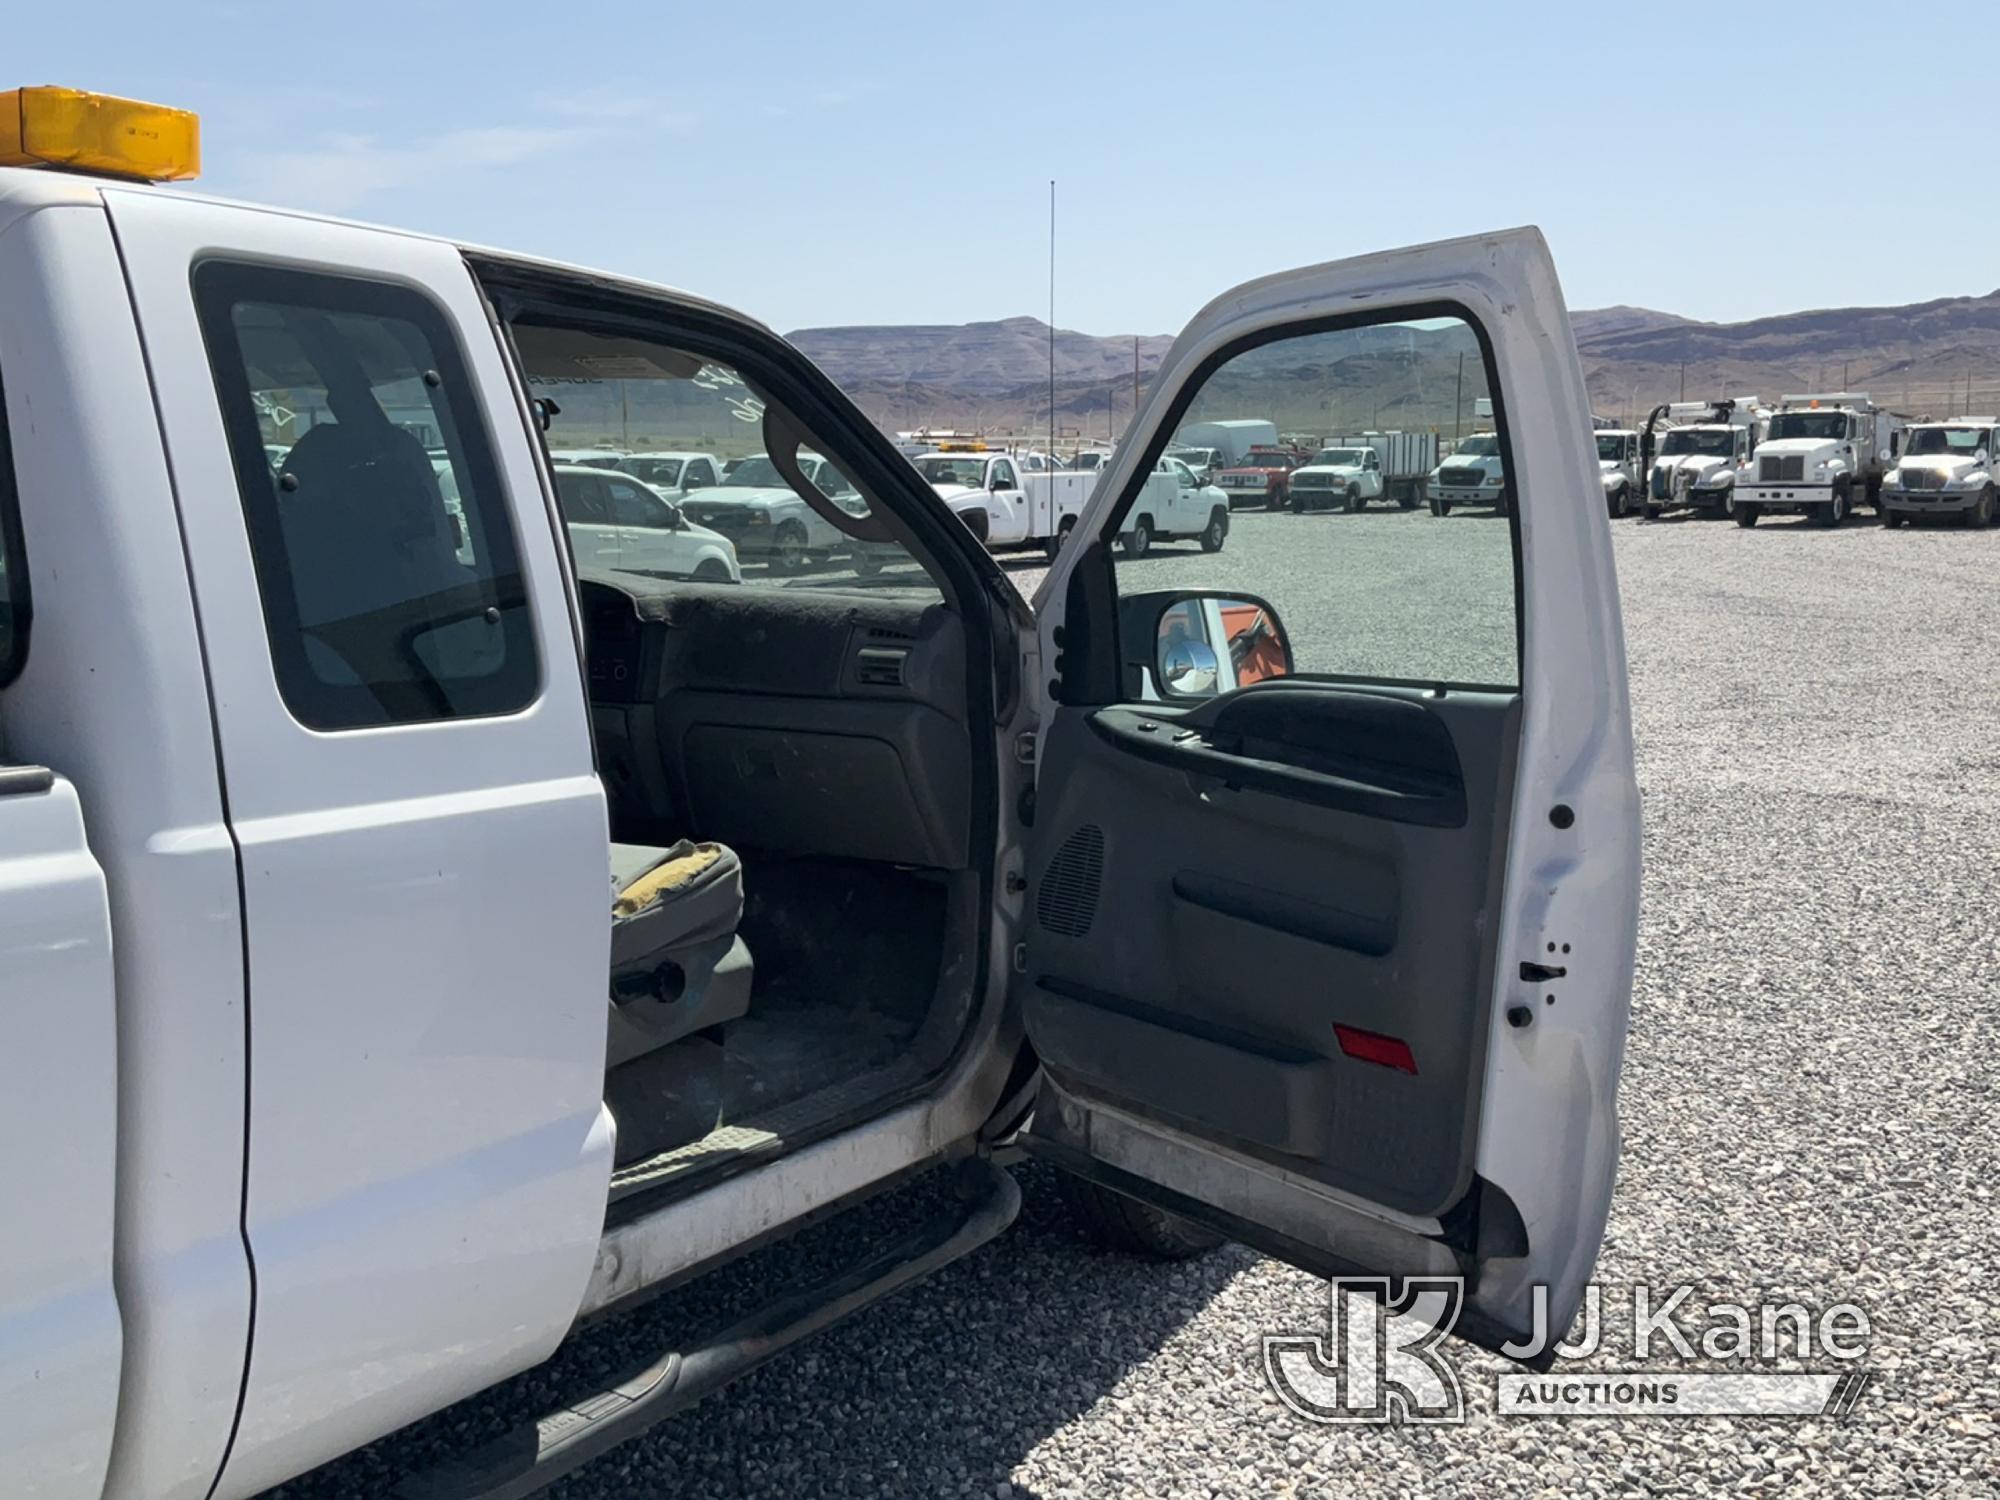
<point>1188,667</point>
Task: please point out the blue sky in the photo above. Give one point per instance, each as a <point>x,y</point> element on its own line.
<point>856,162</point>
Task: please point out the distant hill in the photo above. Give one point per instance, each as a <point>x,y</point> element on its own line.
<point>994,376</point>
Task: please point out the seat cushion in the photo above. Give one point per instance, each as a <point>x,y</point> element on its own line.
<point>677,966</point>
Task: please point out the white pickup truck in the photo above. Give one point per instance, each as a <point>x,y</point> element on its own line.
<point>1345,477</point>
<point>371,885</point>
<point>1007,507</point>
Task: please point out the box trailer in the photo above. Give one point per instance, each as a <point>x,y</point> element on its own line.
<point>1234,438</point>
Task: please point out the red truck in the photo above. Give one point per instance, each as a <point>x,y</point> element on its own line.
<point>1263,478</point>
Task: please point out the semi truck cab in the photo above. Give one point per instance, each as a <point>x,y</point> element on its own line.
<point>1944,469</point>
<point>420,941</point>
<point>1822,455</point>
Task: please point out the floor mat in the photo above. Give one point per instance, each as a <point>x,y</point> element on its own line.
<point>847,961</point>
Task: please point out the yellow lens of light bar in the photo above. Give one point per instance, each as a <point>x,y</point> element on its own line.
<point>98,133</point>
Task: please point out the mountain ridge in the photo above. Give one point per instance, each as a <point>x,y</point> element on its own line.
<point>994,374</point>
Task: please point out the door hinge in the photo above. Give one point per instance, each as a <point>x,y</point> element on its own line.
<point>1024,748</point>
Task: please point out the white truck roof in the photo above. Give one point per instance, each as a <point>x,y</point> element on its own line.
<point>1859,400</point>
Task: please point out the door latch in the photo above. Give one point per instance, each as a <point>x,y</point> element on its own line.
<point>1533,973</point>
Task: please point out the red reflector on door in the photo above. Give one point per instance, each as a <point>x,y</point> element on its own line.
<point>1372,1046</point>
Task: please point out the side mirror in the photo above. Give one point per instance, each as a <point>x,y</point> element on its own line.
<point>996,483</point>
<point>1192,644</point>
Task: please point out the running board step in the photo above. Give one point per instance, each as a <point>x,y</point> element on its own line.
<point>537,1454</point>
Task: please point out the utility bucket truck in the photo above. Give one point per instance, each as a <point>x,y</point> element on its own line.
<point>1822,456</point>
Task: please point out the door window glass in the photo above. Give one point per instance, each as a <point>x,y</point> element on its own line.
<point>582,499</point>
<point>385,555</point>
<point>1399,586</point>
<point>633,506</point>
<point>1003,475</point>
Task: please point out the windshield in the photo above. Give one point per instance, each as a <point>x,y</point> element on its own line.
<point>1688,440</point>
<point>1481,445</point>
<point>970,472</point>
<point>1341,458</point>
<point>1959,442</point>
<point>1809,424</point>
<point>1612,448</point>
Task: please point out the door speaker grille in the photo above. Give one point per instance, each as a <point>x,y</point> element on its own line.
<point>1067,902</point>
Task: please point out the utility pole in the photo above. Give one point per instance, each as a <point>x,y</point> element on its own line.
<point>1684,380</point>
<point>1135,377</point>
<point>1458,402</point>
<point>1052,320</point>
<point>1843,374</point>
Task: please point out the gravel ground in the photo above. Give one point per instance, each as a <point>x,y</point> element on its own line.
<point>1810,1107</point>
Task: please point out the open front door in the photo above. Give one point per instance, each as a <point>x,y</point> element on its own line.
<point>1333,881</point>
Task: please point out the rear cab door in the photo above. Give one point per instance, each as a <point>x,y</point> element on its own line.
<point>419,828</point>
<point>1331,922</point>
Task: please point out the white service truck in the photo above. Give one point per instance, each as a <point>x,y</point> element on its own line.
<point>1698,451</point>
<point>361,880</point>
<point>1008,508</point>
<point>1403,462</point>
<point>1344,478</point>
<point>1821,455</point>
<point>1945,469</point>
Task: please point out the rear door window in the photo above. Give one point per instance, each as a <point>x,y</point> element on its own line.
<point>386,560</point>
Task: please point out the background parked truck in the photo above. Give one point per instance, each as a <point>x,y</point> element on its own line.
<point>1825,453</point>
<point>1006,508</point>
<point>1474,473</point>
<point>1696,449</point>
<point>1405,459</point>
<point>1945,469</point>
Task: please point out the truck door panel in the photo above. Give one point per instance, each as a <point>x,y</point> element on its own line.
<point>422,838</point>
<point>1329,852</point>
<point>59,1323</point>
<point>1326,958</point>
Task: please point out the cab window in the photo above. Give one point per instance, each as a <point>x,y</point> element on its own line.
<point>582,499</point>
<point>634,506</point>
<point>1378,593</point>
<point>1003,475</point>
<point>385,556</point>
